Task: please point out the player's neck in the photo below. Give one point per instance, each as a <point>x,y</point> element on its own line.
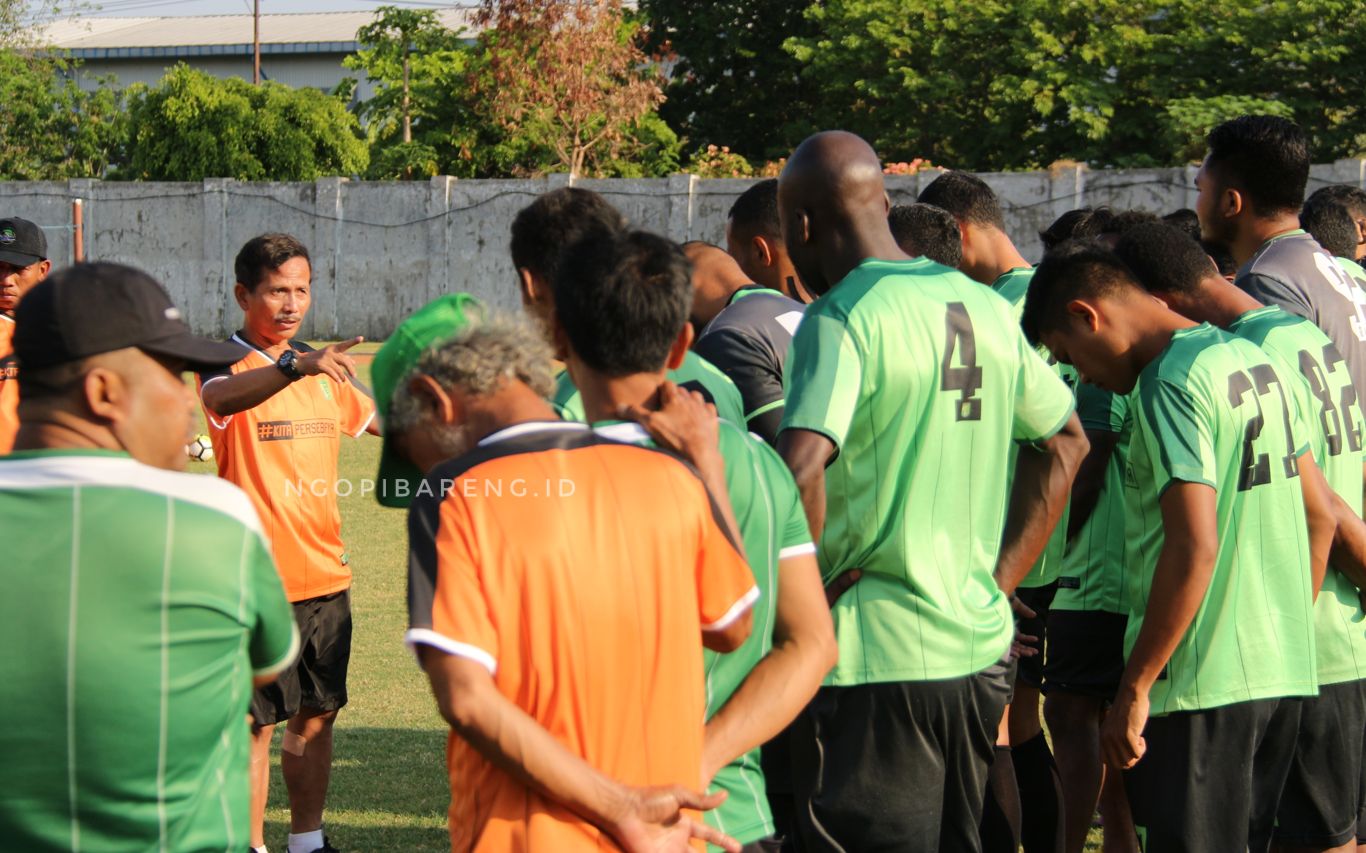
<point>56,430</point>
<point>604,398</point>
<point>1225,303</point>
<point>1257,231</point>
<point>1158,329</point>
<point>996,255</point>
<point>270,348</point>
<point>854,244</point>
<point>511,405</point>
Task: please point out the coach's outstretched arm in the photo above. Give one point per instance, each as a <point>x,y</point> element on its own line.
<point>640,819</point>
<point>228,395</point>
<point>1044,471</point>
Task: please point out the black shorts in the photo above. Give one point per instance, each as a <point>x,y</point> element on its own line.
<point>1211,780</point>
<point>1040,600</point>
<point>897,766</point>
<point>1085,653</point>
<point>317,679</point>
<point>1323,794</point>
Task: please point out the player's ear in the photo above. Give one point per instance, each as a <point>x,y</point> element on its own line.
<point>530,285</point>
<point>679,350</point>
<point>1086,313</point>
<point>240,292</point>
<point>445,408</point>
<point>762,250</point>
<point>105,393</point>
<point>1231,202</point>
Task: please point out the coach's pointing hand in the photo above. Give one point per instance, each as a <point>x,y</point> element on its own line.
<point>331,360</point>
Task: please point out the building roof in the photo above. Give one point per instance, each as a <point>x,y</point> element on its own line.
<point>204,35</point>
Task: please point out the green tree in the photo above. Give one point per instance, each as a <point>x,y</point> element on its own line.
<point>997,84</point>
<point>414,62</point>
<point>192,126</point>
<point>731,82</point>
<point>54,129</point>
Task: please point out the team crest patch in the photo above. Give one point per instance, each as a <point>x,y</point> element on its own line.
<point>6,235</point>
<point>326,388</point>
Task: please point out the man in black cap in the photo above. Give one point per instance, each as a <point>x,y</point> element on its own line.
<point>23,263</point>
<point>144,599</point>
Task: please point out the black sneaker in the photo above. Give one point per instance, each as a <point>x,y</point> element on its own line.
<point>327,847</point>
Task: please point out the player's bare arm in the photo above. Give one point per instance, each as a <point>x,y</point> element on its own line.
<point>806,454</point>
<point>1319,517</point>
<point>1090,478</point>
<point>781,684</point>
<point>1044,472</point>
<point>640,819</point>
<point>1180,581</point>
<point>229,395</point>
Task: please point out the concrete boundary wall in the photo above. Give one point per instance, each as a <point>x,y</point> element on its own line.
<point>382,249</point>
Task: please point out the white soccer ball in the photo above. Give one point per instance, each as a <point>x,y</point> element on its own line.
<point>200,448</point>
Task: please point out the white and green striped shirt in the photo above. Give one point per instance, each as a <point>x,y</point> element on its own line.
<point>138,604</point>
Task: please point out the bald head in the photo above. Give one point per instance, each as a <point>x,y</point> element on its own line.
<point>831,199</point>
<point>715,278</point>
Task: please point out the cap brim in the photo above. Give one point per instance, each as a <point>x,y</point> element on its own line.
<point>200,353</point>
<point>19,259</point>
<point>398,479</point>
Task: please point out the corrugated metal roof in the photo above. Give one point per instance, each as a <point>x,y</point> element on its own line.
<point>117,34</point>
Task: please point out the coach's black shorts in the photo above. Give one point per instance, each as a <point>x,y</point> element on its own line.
<point>1211,780</point>
<point>1040,600</point>
<point>1323,794</point>
<point>1085,653</point>
<point>318,678</point>
<point>897,766</point>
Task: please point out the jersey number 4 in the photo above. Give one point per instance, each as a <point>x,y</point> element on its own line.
<point>1256,468</point>
<point>967,378</point>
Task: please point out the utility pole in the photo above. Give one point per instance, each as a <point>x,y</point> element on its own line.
<point>256,43</point>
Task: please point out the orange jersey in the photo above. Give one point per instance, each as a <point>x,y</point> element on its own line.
<point>9,386</point>
<point>283,454</point>
<point>581,572</point>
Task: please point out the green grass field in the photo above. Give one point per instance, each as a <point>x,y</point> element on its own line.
<point>389,789</point>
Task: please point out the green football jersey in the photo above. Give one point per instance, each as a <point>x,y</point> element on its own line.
<point>1013,286</point>
<point>772,523</point>
<point>1328,398</point>
<point>1093,572</point>
<point>138,604</point>
<point>695,374</point>
<point>1213,409</point>
<point>922,379</point>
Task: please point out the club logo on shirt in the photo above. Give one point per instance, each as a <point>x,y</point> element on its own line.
<point>326,389</point>
<point>9,368</point>
<point>290,430</point>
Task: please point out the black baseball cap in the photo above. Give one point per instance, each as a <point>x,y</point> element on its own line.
<point>88,309</point>
<point>21,242</point>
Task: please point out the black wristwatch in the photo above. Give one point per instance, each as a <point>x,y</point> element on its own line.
<point>288,364</point>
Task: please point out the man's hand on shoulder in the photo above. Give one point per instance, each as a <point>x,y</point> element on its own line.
<point>684,422</point>
<point>331,360</point>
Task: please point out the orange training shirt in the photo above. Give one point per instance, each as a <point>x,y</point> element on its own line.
<point>581,573</point>
<point>283,454</point>
<point>9,386</point>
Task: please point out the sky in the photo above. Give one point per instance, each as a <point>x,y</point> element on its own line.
<point>232,7</point>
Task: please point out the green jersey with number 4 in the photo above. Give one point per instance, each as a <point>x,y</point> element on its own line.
<point>1014,285</point>
<point>1213,409</point>
<point>921,378</point>
<point>1328,398</point>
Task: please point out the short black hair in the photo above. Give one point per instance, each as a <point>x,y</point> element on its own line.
<point>1125,220</point>
<point>929,231</point>
<point>1185,219</point>
<point>967,197</point>
<point>1354,198</point>
<point>756,210</point>
<point>622,298</point>
<point>1075,269</point>
<point>1331,224</point>
<point>1163,258</point>
<point>556,220</point>
<point>1264,157</point>
<point>1222,257</point>
<point>1078,224</point>
<point>264,254</point>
